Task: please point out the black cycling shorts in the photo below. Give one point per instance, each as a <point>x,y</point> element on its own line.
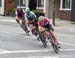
<point>48,26</point>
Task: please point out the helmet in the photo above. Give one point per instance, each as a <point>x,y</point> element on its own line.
<point>41,18</point>
<point>27,10</point>
<point>19,8</point>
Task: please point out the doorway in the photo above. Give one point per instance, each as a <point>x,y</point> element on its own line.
<point>32,4</point>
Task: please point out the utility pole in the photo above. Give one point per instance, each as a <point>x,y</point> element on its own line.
<point>53,12</point>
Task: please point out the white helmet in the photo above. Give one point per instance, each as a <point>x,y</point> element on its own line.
<point>18,7</point>
<point>27,10</point>
<point>41,18</point>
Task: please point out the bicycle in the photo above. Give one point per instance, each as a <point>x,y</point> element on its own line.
<point>43,39</point>
<point>40,37</point>
<point>54,45</point>
<point>24,27</point>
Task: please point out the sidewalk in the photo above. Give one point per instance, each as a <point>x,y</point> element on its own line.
<point>64,26</point>
<point>61,25</point>
<point>7,19</point>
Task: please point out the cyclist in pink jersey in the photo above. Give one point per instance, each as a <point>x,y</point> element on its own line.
<point>45,23</point>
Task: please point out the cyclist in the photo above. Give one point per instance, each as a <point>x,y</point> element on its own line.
<point>45,23</point>
<point>20,15</point>
<point>31,19</point>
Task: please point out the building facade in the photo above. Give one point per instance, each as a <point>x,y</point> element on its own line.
<point>62,8</point>
<point>8,6</point>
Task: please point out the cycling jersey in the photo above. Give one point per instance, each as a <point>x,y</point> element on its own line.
<point>45,22</point>
<point>30,16</point>
<point>20,13</point>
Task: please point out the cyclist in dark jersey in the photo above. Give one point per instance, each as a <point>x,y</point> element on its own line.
<point>19,14</point>
<point>31,19</point>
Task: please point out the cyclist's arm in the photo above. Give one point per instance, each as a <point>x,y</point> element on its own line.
<point>33,14</point>
<point>40,27</point>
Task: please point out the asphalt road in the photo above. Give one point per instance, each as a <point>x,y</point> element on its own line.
<point>14,43</point>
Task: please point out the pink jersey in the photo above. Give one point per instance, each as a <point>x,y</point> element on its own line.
<point>45,22</point>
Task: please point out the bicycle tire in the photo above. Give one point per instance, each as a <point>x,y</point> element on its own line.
<point>55,47</point>
<point>44,43</point>
<point>43,40</point>
<point>24,27</point>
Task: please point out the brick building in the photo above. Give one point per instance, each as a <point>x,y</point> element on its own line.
<point>64,9</point>
<point>6,6</point>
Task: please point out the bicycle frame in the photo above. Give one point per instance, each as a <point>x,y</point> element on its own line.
<point>54,45</point>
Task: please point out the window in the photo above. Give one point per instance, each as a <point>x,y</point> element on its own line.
<point>20,2</point>
<point>0,3</point>
<point>65,4</point>
<point>40,4</point>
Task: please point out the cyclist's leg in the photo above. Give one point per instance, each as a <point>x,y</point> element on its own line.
<point>54,36</point>
<point>44,33</point>
<point>35,27</point>
<point>26,25</point>
<point>52,33</point>
<point>17,19</point>
<point>32,28</point>
<point>42,29</point>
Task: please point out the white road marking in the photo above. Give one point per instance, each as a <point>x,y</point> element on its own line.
<point>38,57</point>
<point>50,57</point>
<point>65,35</point>
<point>43,57</point>
<point>34,51</point>
<point>2,50</point>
